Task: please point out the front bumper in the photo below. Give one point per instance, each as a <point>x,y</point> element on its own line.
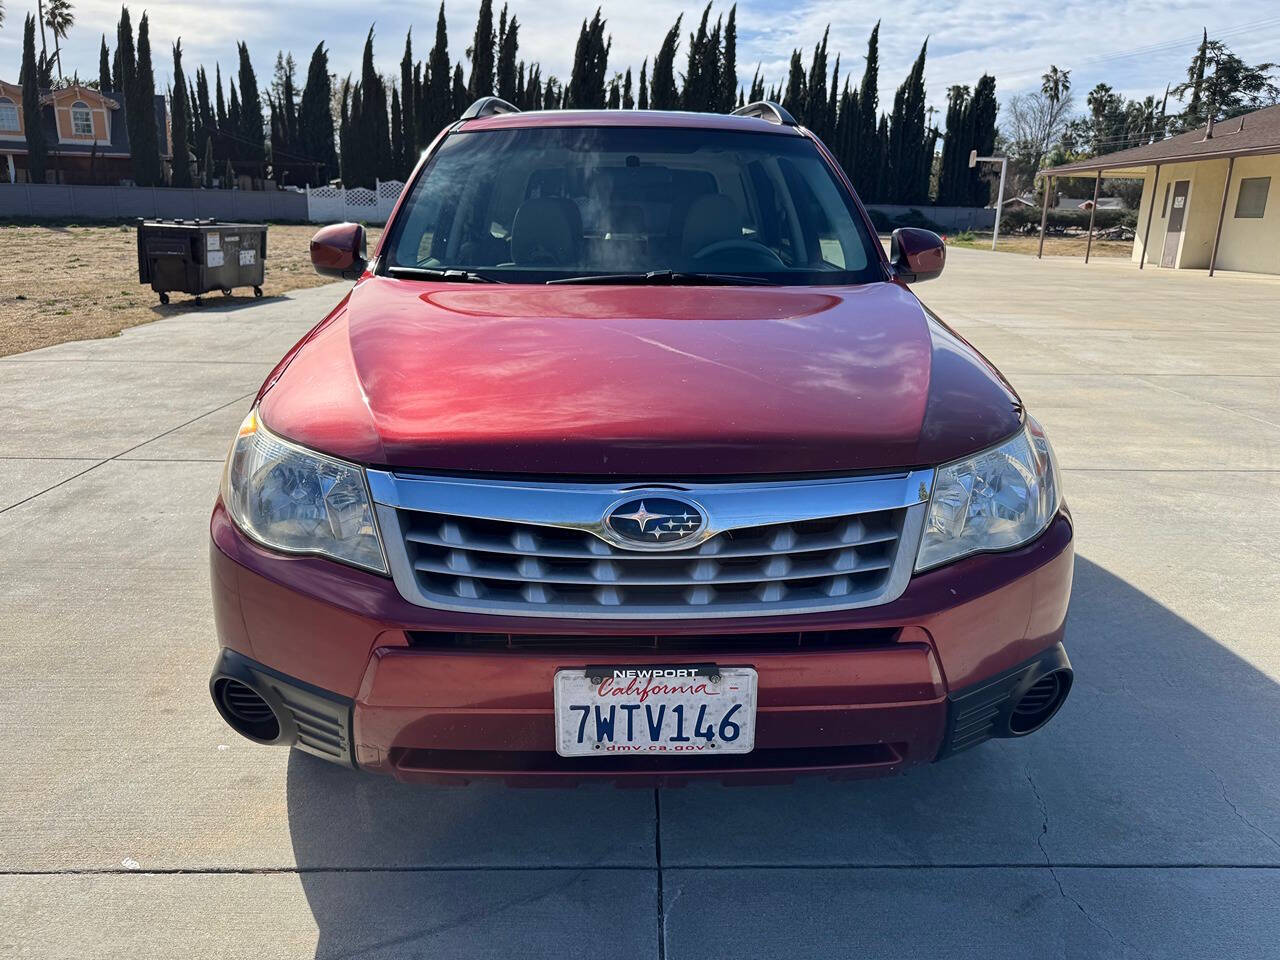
<point>361,676</point>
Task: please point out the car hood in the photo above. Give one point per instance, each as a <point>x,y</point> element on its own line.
<point>637,381</point>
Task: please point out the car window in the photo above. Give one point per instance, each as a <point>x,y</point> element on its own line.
<point>542,203</point>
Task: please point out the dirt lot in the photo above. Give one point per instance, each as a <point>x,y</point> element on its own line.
<point>81,282</point>
<point>1053,246</point>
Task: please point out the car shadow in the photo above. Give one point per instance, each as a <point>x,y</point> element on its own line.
<point>1165,754</point>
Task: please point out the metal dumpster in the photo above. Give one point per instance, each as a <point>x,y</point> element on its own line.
<point>199,256</point>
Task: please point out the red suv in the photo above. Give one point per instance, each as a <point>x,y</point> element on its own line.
<point>629,454</point>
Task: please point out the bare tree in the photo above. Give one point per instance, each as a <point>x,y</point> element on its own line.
<point>1034,122</point>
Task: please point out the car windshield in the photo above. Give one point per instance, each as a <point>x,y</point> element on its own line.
<point>544,204</point>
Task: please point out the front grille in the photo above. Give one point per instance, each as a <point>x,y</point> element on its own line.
<point>526,549</point>
<point>620,643</point>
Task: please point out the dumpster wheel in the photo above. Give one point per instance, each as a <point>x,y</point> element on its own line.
<point>257,293</point>
<point>164,298</point>
<point>226,291</point>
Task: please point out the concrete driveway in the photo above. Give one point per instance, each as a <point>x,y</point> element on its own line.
<point>1145,821</point>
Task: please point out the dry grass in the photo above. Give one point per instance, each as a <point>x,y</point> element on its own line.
<point>1053,246</point>
<point>81,282</point>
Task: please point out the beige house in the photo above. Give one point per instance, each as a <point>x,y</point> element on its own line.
<point>1211,197</point>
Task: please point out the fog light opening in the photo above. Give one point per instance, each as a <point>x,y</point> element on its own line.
<point>245,710</point>
<point>1041,701</point>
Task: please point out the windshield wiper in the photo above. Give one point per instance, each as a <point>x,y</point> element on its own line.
<point>446,276</point>
<point>667,277</point>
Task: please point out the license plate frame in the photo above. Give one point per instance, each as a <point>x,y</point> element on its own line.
<point>632,711</point>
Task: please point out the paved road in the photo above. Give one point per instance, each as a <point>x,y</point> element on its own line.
<point>1145,821</point>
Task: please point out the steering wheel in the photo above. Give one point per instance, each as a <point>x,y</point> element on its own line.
<point>762,252</point>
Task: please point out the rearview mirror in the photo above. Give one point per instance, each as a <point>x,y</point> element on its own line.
<point>338,250</point>
<point>916,254</point>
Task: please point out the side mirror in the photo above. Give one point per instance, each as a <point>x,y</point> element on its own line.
<point>916,254</point>
<point>338,250</point>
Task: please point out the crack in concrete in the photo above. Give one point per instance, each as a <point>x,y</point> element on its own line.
<point>1240,816</point>
<point>1048,862</point>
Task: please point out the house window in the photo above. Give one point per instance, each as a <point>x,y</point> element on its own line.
<point>81,120</point>
<point>1251,203</point>
<point>1164,211</point>
<point>8,115</point>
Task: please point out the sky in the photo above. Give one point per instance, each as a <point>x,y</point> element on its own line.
<point>1137,47</point>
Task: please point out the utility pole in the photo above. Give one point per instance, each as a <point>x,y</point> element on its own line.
<point>1004,169</point>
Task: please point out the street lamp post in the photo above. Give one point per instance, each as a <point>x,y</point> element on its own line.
<point>1004,167</point>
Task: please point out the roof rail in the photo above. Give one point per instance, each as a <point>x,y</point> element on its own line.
<point>488,107</point>
<point>766,110</point>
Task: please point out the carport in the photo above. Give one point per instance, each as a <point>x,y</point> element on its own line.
<point>1204,199</point>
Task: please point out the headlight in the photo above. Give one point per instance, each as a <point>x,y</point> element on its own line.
<point>995,500</point>
<point>292,499</point>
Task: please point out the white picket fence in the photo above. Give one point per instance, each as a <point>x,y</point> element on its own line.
<point>334,204</point>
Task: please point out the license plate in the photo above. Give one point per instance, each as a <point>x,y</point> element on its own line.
<point>650,711</point>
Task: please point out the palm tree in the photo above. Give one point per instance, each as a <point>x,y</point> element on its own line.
<point>60,18</point>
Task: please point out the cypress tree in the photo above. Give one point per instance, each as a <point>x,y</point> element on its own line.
<point>407,129</point>
<point>954,165</point>
<point>909,168</point>
<point>289,111</point>
<point>201,114</point>
<point>533,89</point>
<point>843,145</point>
<point>104,66</point>
<point>221,116</point>
<point>663,93</point>
<point>126,72</point>
<point>614,100</point>
<point>868,143</point>
<point>833,100</point>
<point>179,121</point>
<point>699,80</point>
<point>628,101</point>
<point>32,121</point>
<point>508,45</point>
<point>757,87</point>
<point>461,95</point>
<point>815,99</point>
<point>481,52</point>
<point>643,102</point>
<point>586,88</point>
<point>795,99</point>
<point>347,159</point>
<point>206,170</point>
<point>230,136</point>
<point>551,94</point>
<point>981,127</point>
<point>315,119</point>
<point>729,63</point>
<point>250,128</point>
<point>397,135</point>
<point>438,82</point>
<point>880,175</point>
<point>146,148</point>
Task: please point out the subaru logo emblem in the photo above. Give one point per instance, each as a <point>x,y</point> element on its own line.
<point>655,522</point>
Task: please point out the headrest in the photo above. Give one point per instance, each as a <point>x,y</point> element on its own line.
<point>711,218</point>
<point>546,231</point>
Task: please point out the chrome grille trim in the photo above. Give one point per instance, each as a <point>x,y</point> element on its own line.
<point>536,548</point>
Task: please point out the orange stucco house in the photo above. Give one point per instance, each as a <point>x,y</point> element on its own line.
<point>85,130</point>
